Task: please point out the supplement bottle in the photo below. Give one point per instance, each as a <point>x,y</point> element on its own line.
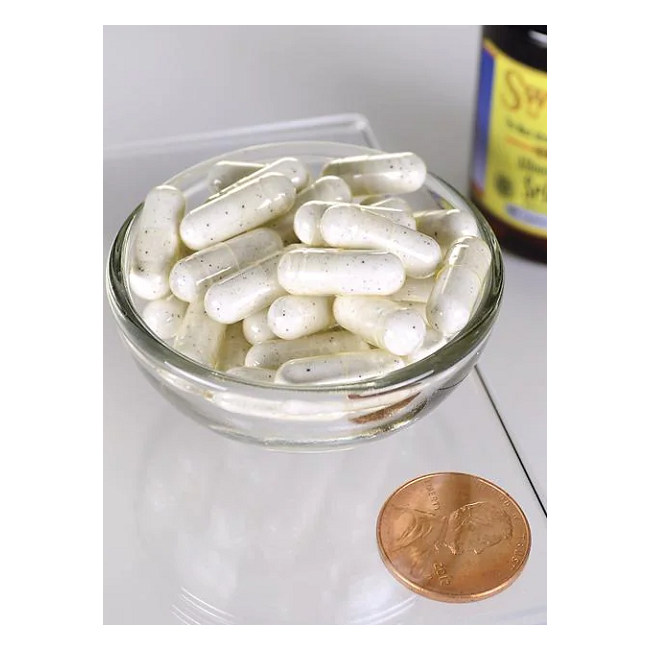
<point>508,174</point>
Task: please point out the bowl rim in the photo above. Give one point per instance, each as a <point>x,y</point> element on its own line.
<point>460,347</point>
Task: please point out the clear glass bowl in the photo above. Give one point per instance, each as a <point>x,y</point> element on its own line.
<point>309,418</point>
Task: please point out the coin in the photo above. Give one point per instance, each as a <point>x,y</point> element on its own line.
<point>453,537</point>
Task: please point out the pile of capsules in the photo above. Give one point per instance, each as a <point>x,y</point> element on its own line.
<point>300,282</point>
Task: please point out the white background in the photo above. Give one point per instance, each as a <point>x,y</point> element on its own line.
<point>415,84</point>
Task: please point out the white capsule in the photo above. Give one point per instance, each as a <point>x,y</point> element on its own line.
<point>471,252</point>
<point>306,223</point>
<point>455,294</point>
<point>350,226</point>
<point>192,275</point>
<point>414,290</point>
<point>164,316</point>
<point>253,374</point>
<point>382,322</point>
<point>237,210</point>
<point>292,168</point>
<point>433,341</point>
<point>458,285</point>
<point>272,354</point>
<point>340,368</point>
<point>445,226</point>
<point>242,294</point>
<point>200,337</point>
<point>308,218</point>
<point>290,317</point>
<point>157,244</point>
<point>396,173</point>
<point>226,172</point>
<point>256,327</point>
<point>327,272</point>
<point>327,188</point>
<point>233,349</point>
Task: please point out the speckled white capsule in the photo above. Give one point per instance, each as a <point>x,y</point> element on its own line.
<point>308,218</point>
<point>392,173</point>
<point>253,374</point>
<point>340,368</point>
<point>414,290</point>
<point>453,299</point>
<point>350,226</point>
<point>327,272</point>
<point>306,223</point>
<point>157,244</point>
<point>164,316</point>
<point>380,321</point>
<point>256,327</point>
<point>242,294</point>
<point>199,337</point>
<point>272,354</point>
<point>290,167</point>
<point>290,317</point>
<point>237,210</point>
<point>471,252</point>
<point>226,172</point>
<point>191,275</point>
<point>433,341</point>
<point>233,349</point>
<point>445,226</point>
<point>327,188</point>
<point>458,285</point>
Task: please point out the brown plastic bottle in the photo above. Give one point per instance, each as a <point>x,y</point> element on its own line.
<point>508,175</point>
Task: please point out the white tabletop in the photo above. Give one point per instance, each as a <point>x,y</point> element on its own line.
<point>200,529</point>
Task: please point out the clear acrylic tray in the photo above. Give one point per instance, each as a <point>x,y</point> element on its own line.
<point>204,530</point>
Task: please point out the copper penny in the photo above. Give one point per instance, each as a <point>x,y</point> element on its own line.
<point>453,537</point>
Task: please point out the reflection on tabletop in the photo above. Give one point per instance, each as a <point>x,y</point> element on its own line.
<point>261,542</point>
<point>202,529</point>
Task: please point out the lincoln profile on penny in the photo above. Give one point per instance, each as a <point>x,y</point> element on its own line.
<point>471,528</point>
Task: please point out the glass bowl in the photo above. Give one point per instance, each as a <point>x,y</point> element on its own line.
<point>305,417</point>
